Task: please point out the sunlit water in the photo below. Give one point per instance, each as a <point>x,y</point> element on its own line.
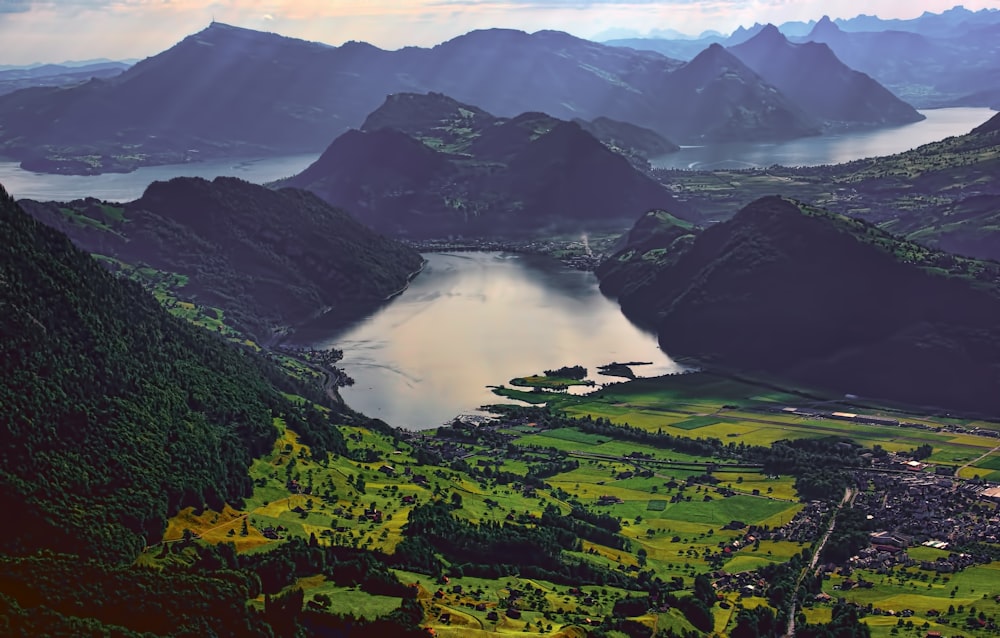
<point>125,187</point>
<point>471,320</point>
<point>829,149</point>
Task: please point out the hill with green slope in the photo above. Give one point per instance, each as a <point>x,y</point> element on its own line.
<point>430,166</point>
<point>945,194</point>
<point>658,238</point>
<point>268,259</point>
<point>115,414</point>
<point>832,301</point>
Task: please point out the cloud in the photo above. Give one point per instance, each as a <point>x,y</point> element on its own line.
<point>15,6</point>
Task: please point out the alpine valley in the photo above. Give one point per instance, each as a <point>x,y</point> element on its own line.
<point>750,403</point>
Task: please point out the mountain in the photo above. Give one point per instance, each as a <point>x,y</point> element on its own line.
<point>430,166</point>
<point>16,78</point>
<point>952,22</point>
<point>658,238</point>
<point>925,70</point>
<point>268,259</point>
<point>718,84</point>
<point>812,77</point>
<point>116,414</point>
<point>829,301</point>
<point>227,91</point>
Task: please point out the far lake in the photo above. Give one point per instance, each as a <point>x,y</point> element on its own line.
<point>829,149</point>
<point>811,151</point>
<point>125,187</point>
<point>470,320</point>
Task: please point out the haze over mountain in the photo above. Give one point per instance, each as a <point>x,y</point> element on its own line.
<point>15,78</point>
<point>812,76</point>
<point>268,259</point>
<point>227,91</point>
<point>820,299</point>
<point>946,59</point>
<point>426,165</point>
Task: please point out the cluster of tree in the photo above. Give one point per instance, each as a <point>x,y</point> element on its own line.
<point>432,533</point>
<point>568,372</point>
<point>598,528</point>
<point>850,535</point>
<point>46,595</point>
<point>845,622</point>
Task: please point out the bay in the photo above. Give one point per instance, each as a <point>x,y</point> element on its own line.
<point>471,320</point>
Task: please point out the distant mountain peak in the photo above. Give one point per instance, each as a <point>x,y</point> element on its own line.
<point>769,35</point>
<point>825,27</point>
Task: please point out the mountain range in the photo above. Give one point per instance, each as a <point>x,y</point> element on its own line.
<point>228,91</point>
<point>266,259</point>
<point>820,299</point>
<point>426,165</point>
<point>935,60</point>
<point>15,78</point>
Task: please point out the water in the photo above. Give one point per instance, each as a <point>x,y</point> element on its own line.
<point>125,187</point>
<point>829,149</point>
<point>470,320</point>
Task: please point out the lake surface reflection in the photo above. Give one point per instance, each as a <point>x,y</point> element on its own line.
<point>470,320</point>
<point>832,148</point>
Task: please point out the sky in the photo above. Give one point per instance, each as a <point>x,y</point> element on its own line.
<point>59,30</point>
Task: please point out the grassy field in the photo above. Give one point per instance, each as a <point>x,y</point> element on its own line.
<point>676,525</point>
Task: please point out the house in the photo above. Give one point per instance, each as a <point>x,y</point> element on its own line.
<point>513,614</point>
<point>388,470</point>
<point>409,499</point>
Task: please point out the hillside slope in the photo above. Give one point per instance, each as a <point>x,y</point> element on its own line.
<point>430,166</point>
<point>268,259</point>
<point>115,413</point>
<point>831,301</point>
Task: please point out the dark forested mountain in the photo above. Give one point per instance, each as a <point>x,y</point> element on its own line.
<point>429,166</point>
<point>115,414</point>
<point>657,238</point>
<point>812,77</point>
<point>268,259</point>
<point>227,91</point>
<point>826,300</point>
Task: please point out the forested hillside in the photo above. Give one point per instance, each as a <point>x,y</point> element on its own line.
<point>268,259</point>
<point>115,414</point>
<point>829,301</point>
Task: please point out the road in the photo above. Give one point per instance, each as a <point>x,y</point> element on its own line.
<point>849,494</point>
<point>974,461</point>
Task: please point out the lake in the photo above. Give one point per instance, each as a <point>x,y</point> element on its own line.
<point>125,187</point>
<point>470,320</point>
<point>829,149</point>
